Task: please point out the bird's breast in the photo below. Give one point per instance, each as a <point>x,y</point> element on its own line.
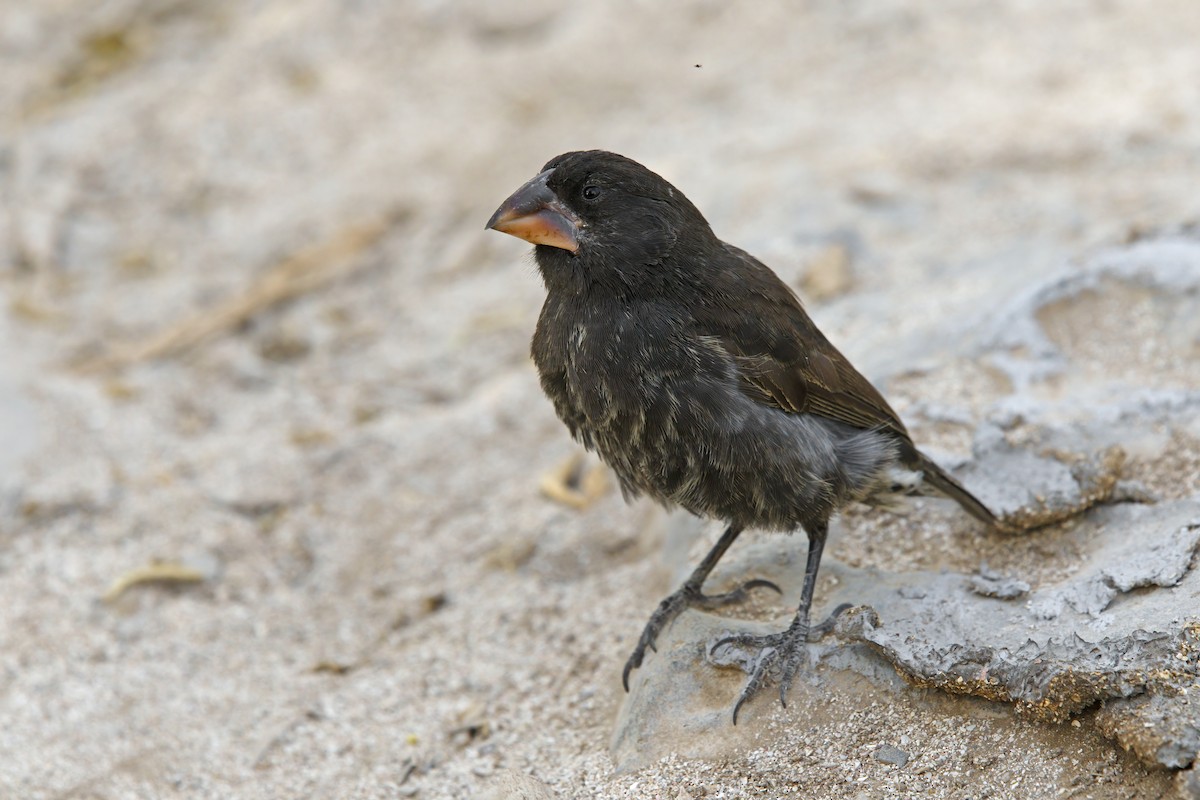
<point>609,372</point>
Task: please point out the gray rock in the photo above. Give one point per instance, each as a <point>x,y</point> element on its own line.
<point>989,583</point>
<point>1187,784</point>
<point>1028,489</point>
<point>1024,342</point>
<point>1085,652</point>
<point>1122,566</point>
<point>1124,625</point>
<point>1162,728</point>
<point>890,754</point>
<point>677,704</point>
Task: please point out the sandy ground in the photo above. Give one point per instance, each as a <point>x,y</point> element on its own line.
<point>255,336</point>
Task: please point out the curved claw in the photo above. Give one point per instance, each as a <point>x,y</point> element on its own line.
<point>762,583</point>
<point>635,659</point>
<point>749,640</point>
<point>766,658</point>
<point>639,653</point>
<point>739,638</point>
<point>785,679</point>
<point>712,601</point>
<point>784,649</point>
<point>738,707</point>
<point>688,596</point>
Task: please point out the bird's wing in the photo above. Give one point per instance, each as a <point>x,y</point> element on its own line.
<point>783,358</point>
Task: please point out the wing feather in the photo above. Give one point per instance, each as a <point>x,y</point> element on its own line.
<point>783,358</point>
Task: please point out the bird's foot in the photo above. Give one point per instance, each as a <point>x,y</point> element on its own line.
<point>777,651</point>
<point>688,596</point>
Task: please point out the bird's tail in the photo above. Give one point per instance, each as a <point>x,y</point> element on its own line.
<point>944,483</point>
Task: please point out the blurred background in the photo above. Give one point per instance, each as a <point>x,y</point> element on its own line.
<point>270,444</point>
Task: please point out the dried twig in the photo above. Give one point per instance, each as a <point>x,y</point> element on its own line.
<point>302,272</point>
<point>152,573</point>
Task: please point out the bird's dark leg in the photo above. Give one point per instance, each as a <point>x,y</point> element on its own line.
<point>785,649</point>
<point>690,596</point>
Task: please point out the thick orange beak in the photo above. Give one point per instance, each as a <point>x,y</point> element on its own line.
<point>535,214</point>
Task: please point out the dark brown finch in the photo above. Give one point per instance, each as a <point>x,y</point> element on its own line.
<point>696,375</point>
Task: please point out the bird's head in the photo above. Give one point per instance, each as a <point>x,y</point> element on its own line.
<point>600,218</point>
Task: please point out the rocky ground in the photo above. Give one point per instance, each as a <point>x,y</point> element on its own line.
<point>272,513</point>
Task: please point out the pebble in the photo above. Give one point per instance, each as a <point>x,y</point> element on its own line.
<point>890,754</point>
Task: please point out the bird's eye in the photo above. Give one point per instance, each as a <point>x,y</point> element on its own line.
<point>591,192</point>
